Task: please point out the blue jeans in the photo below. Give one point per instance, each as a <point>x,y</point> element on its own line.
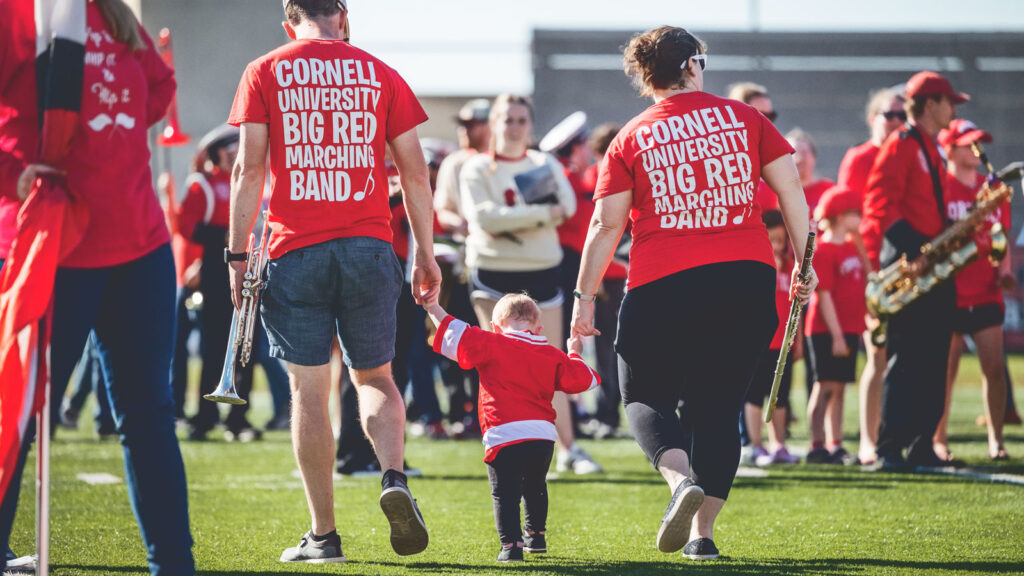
<point>131,309</point>
<point>89,378</point>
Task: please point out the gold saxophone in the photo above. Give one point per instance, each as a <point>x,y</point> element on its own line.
<point>897,285</point>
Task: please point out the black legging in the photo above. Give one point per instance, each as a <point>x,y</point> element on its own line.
<point>695,336</point>
<point>517,473</point>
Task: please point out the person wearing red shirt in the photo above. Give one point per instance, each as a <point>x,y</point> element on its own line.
<point>203,218</point>
<point>806,158</point>
<point>904,207</point>
<point>979,290</point>
<point>699,312</point>
<point>764,376</point>
<point>326,110</point>
<point>835,320</point>
<point>609,299</point>
<point>519,374</point>
<point>119,281</point>
<point>884,115</point>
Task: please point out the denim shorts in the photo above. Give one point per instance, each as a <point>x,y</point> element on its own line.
<point>345,286</point>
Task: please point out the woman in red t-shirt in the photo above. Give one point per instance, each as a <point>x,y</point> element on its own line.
<point>884,115</point>
<point>700,308</point>
<point>979,290</point>
<point>119,281</point>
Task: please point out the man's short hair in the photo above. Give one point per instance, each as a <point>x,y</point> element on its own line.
<point>298,10</point>
<point>518,307</point>
<point>747,91</point>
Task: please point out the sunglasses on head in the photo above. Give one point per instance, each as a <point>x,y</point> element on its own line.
<point>701,59</point>
<point>895,115</point>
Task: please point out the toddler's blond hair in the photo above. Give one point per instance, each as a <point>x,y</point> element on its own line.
<point>516,307</point>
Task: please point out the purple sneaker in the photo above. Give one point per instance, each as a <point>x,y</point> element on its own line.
<point>780,456</point>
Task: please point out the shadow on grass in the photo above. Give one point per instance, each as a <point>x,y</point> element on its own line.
<point>724,566</point>
<point>576,567</point>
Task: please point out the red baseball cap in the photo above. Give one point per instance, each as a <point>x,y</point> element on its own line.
<point>930,83</point>
<point>837,200</point>
<point>962,132</point>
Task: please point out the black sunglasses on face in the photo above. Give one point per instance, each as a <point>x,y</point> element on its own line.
<point>895,115</point>
<point>771,115</point>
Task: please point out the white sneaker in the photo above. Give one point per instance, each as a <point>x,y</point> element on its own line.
<point>563,462</point>
<point>582,463</point>
<point>22,565</point>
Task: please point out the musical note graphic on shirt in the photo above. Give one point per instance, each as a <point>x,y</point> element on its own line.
<point>368,188</point>
<point>739,219</point>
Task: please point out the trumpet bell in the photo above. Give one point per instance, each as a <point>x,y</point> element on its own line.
<point>226,393</point>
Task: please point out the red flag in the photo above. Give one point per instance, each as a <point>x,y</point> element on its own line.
<point>50,225</point>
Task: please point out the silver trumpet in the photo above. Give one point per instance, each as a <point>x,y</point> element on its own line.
<point>243,322</point>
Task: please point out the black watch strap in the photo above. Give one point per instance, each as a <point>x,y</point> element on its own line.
<point>230,256</point>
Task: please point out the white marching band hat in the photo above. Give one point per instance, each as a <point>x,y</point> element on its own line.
<point>564,132</point>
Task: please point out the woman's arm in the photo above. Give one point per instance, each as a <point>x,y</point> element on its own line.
<point>482,208</point>
<point>606,227</point>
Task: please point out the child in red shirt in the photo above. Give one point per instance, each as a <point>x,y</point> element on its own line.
<point>519,374</point>
<point>835,320</point>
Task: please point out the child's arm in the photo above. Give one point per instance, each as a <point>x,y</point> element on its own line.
<point>827,307</point>
<point>434,310</point>
<point>577,376</point>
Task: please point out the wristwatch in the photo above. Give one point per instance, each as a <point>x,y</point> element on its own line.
<point>581,296</point>
<point>230,256</point>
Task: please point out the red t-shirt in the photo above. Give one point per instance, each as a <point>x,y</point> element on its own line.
<point>978,283</point>
<point>814,191</point>
<point>900,187</point>
<point>693,162</point>
<point>767,199</point>
<point>123,93</point>
<point>331,108</point>
<point>572,234</point>
<point>207,201</point>
<point>841,272</point>
<point>856,165</point>
<point>783,278</point>
<point>519,374</point>
<point>589,181</point>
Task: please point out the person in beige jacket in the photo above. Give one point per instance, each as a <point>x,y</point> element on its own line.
<point>513,200</point>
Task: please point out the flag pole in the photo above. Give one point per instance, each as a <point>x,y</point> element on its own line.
<point>43,484</point>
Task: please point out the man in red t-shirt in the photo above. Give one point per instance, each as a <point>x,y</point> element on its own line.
<point>904,208</point>
<point>325,110</point>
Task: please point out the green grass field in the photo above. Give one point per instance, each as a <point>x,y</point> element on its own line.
<point>246,506</point>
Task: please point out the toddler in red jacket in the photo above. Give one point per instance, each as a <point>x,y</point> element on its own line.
<point>519,374</point>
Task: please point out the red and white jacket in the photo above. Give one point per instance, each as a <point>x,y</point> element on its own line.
<point>519,374</point>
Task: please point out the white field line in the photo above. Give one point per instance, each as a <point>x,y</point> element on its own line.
<point>98,478</point>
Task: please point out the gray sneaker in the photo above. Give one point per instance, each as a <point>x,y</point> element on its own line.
<point>701,549</point>
<point>313,552</point>
<point>408,531</point>
<point>675,525</point>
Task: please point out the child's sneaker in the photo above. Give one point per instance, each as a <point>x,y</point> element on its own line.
<point>535,543</point>
<point>780,456</point>
<point>818,456</point>
<point>511,552</point>
<point>313,552</point>
<point>841,456</point>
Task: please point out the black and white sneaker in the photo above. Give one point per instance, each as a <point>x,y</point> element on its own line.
<point>511,553</point>
<point>535,543</point>
<point>701,549</point>
<point>408,531</point>
<point>675,525</point>
<point>314,552</point>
